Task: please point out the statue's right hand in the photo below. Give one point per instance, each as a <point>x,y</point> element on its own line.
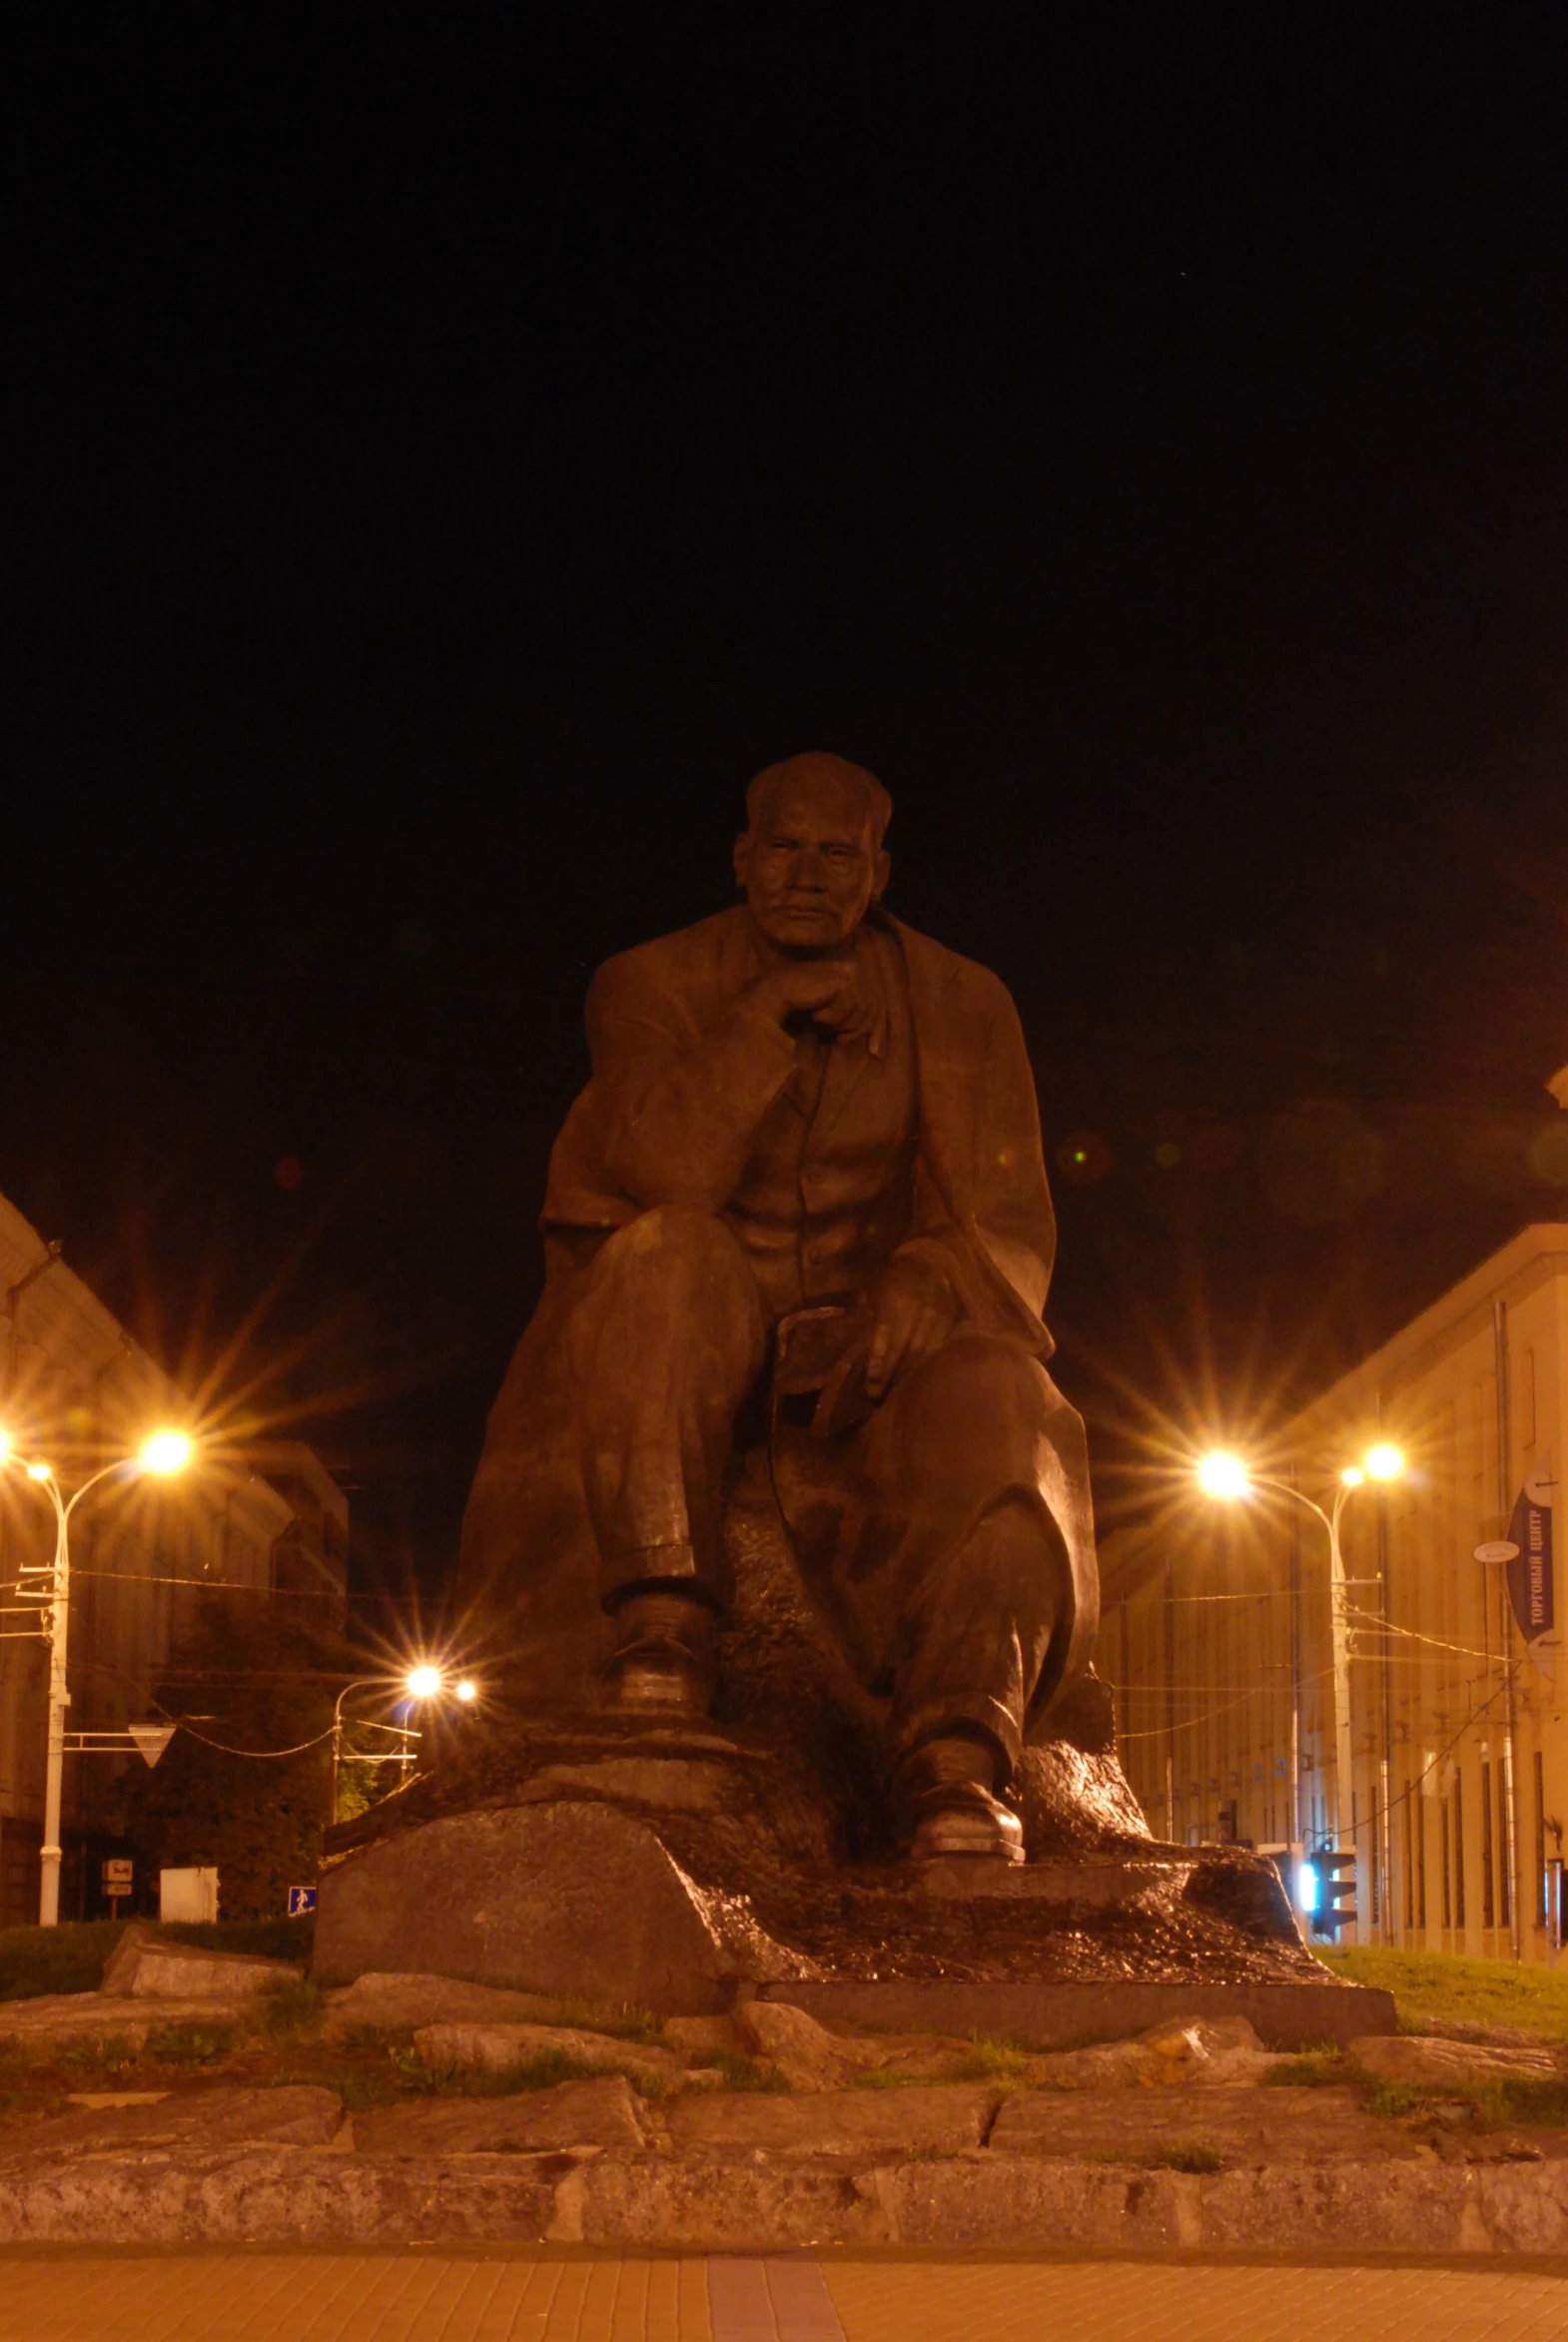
<point>829,992</point>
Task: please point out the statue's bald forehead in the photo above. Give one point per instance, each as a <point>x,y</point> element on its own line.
<point>819,770</point>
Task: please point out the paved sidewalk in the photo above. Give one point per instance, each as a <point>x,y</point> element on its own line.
<point>539,2297</point>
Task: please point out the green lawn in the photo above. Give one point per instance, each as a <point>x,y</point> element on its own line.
<point>70,1958</point>
<point>1435,1988</point>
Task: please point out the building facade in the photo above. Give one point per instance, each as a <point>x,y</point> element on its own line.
<point>1218,1631</point>
<point>76,1390</point>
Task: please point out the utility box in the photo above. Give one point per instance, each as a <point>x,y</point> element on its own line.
<point>189,1897</point>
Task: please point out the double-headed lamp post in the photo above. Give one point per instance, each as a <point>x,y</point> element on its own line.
<point>1231,1480</point>
<point>164,1454</point>
<point>422,1681</point>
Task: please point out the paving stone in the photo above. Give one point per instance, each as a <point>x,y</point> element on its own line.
<point>54,2017</point>
<point>499,2046</point>
<point>807,2055</point>
<point>1345,2207</point>
<point>882,2297</point>
<point>293,2116</point>
<point>626,2295</point>
<point>147,1966</point>
<point>1427,2062</point>
<point>717,2207</point>
<point>1524,2206</point>
<point>286,2195</point>
<point>401,2003</point>
<point>998,2199</point>
<point>702,2036</point>
<point>1182,2051</point>
<point>837,2122</point>
<point>1240,2124</point>
<point>604,2112</point>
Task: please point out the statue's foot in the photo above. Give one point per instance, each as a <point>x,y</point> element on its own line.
<point>960,1820</point>
<point>947,1806</point>
<point>663,1656</point>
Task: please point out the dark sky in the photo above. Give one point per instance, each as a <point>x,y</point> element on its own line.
<point>449,449</point>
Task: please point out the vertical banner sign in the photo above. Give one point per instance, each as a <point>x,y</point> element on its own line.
<point>1530,1587</point>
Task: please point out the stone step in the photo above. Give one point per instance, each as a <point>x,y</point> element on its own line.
<point>1064,2016</point>
<point>318,2197</point>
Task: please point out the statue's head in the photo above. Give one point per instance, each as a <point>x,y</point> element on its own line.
<point>811,858</point>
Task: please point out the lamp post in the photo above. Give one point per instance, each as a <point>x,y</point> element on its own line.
<point>422,1681</point>
<point>164,1454</point>
<point>1230,1479</point>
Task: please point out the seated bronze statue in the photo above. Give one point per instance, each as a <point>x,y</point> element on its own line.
<point>804,1183</point>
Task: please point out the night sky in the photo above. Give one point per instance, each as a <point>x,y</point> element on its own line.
<point>448,451</point>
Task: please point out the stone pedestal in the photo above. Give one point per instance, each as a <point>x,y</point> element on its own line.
<point>562,1896</point>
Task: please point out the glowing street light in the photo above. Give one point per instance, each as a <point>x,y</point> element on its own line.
<point>1228,1478</point>
<point>424,1681</point>
<point>1224,1477</point>
<point>164,1452</point>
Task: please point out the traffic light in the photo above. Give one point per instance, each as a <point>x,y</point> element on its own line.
<point>1334,1904</point>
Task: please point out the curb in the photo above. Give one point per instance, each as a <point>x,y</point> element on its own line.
<point>321,2196</point>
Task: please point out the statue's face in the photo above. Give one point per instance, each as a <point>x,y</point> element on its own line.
<point>809,869</point>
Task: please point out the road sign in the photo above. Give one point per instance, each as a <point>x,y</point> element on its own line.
<point>1497,1552</point>
<point>118,1874</point>
<point>302,1900</point>
<point>152,1739</point>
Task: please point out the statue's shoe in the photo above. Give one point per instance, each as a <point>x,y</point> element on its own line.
<point>961,1818</point>
<point>660,1673</point>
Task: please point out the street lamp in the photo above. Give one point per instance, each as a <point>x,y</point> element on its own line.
<point>1230,1479</point>
<point>162,1455</point>
<point>422,1681</point>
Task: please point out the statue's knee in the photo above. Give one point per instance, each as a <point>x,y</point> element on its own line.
<point>980,1381</point>
<point>674,1244</point>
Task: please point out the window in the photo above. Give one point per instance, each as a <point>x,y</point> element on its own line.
<point>1448,1913</point>
<point>1488,1911</point>
<point>1459,1920</point>
<point>1504,1851</point>
<point>1540,1843</point>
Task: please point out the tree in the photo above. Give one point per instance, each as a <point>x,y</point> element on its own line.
<point>251,1675</point>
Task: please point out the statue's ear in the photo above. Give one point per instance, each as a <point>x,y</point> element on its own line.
<point>742,856</point>
<point>882,872</point>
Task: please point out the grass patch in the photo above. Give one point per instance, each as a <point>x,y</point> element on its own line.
<point>294,2007</point>
<point>1504,2099</point>
<point>372,2037</point>
<point>994,2059</point>
<point>541,2071</point>
<point>746,2074</point>
<point>1322,2069</point>
<point>1393,2101</point>
<point>273,1939</point>
<point>101,2057</point>
<point>1192,2155</point>
<point>1438,1987</point>
<point>200,2042</point>
<point>69,1959</point>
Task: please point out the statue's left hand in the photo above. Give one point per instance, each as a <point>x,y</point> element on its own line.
<point>913,1314</point>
